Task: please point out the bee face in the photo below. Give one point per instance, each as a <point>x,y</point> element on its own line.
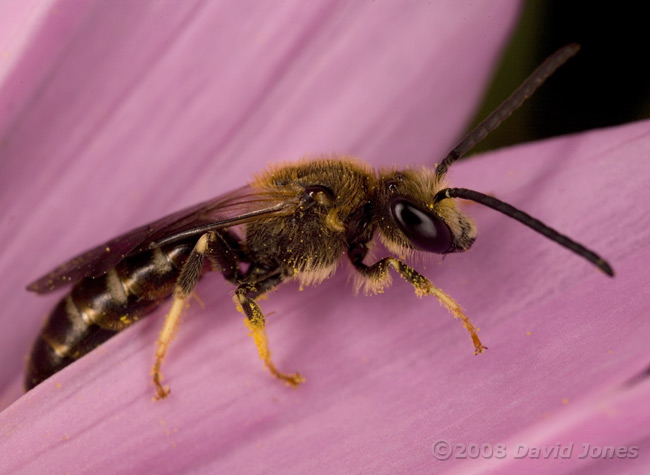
<point>410,219</point>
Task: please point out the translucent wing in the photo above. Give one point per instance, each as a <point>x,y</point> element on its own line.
<point>235,208</point>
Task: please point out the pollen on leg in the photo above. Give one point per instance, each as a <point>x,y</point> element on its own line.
<point>423,286</point>
<point>375,283</point>
<point>201,246</point>
<point>167,334</point>
<point>257,330</point>
<point>457,311</point>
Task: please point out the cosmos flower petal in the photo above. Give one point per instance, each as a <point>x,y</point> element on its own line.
<point>149,108</point>
<point>386,375</point>
<point>564,340</point>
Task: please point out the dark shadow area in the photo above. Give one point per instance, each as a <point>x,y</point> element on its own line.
<point>606,84</point>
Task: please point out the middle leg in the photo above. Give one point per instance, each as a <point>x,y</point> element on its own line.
<point>256,324</point>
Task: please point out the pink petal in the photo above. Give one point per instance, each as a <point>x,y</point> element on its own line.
<point>572,342</point>
<point>131,133</point>
<point>371,401</point>
<point>150,108</point>
<point>30,45</point>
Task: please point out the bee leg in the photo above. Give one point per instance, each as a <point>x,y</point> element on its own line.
<point>224,255</point>
<point>255,323</point>
<point>185,284</point>
<point>378,275</point>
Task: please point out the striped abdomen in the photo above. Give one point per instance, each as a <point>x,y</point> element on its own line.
<point>98,308</point>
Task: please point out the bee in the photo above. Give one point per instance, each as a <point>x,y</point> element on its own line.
<point>292,221</point>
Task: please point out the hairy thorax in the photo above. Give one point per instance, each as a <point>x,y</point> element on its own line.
<point>310,241</point>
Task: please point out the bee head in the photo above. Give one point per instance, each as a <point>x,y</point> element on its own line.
<point>411,219</point>
<point>415,209</point>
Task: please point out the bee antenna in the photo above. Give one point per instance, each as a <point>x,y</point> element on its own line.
<point>528,220</point>
<point>507,107</point>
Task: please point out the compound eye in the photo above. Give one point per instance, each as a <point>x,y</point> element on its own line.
<point>427,233</point>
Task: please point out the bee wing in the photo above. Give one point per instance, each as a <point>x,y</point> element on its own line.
<point>241,206</point>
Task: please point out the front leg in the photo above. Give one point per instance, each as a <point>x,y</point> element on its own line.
<point>256,324</point>
<point>377,275</point>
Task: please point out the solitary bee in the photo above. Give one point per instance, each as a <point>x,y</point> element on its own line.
<point>292,221</point>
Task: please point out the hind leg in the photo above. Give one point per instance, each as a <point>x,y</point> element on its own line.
<point>223,258</point>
